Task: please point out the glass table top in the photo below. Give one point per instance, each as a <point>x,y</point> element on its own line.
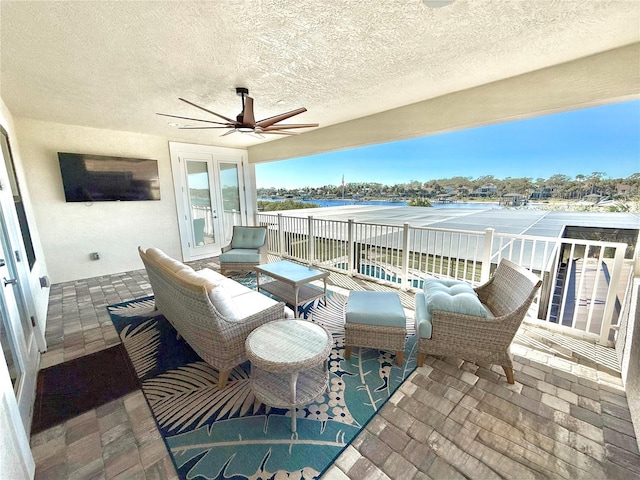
<point>291,271</point>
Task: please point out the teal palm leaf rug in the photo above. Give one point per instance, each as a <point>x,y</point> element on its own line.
<point>228,434</point>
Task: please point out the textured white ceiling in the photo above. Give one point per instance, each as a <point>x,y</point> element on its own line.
<point>113,65</point>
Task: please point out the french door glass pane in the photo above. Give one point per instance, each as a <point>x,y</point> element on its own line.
<point>232,214</point>
<point>200,203</point>
<point>17,198</point>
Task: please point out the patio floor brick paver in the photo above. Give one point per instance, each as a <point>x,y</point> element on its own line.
<point>566,416</point>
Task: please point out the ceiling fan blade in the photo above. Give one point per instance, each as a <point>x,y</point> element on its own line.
<point>291,125</point>
<point>277,132</point>
<point>247,114</point>
<point>231,121</point>
<point>233,130</point>
<point>267,122</point>
<point>196,127</point>
<point>193,119</point>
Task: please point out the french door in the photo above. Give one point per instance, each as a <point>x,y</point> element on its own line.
<point>208,183</point>
<point>15,329</point>
<point>19,336</point>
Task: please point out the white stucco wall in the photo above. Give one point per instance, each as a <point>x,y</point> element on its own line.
<point>70,232</point>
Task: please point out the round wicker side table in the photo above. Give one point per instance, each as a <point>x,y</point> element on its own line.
<point>289,363</point>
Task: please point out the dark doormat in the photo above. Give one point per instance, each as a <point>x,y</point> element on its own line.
<point>71,388</point>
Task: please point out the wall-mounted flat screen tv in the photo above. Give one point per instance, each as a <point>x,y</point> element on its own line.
<point>99,178</point>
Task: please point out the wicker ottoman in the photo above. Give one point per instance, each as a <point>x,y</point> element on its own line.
<point>375,320</point>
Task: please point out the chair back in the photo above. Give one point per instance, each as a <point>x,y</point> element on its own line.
<point>248,237</point>
<point>511,288</point>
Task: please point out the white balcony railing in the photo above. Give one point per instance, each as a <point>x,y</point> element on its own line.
<point>584,282</point>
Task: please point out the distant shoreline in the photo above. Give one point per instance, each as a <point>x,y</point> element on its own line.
<point>551,204</point>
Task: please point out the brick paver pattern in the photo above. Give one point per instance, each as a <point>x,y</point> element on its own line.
<point>565,417</point>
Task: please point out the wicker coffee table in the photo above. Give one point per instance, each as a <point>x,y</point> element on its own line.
<point>291,282</point>
<point>289,363</point>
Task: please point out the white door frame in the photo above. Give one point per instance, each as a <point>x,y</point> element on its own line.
<point>215,155</point>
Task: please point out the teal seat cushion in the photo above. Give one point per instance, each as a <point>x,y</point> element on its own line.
<point>445,285</point>
<point>423,317</point>
<point>453,296</point>
<point>247,237</point>
<point>375,308</point>
<point>240,255</point>
<point>446,295</point>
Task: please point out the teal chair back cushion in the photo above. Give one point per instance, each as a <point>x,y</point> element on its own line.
<point>247,237</point>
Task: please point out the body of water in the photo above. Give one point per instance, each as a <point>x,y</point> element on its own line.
<point>340,203</point>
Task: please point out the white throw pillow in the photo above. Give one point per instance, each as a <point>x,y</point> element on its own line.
<point>218,295</point>
<point>211,275</point>
<point>163,259</point>
<point>223,302</point>
<point>190,275</point>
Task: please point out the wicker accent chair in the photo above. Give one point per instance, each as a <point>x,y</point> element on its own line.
<point>247,249</point>
<point>506,297</point>
<point>213,314</point>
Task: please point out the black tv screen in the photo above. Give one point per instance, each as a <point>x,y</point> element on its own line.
<point>99,178</point>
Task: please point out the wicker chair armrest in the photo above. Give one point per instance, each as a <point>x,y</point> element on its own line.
<point>470,328</point>
<point>226,248</point>
<point>263,250</point>
<point>484,291</point>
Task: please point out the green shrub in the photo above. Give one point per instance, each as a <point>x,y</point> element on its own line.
<point>419,202</point>
<point>284,205</point>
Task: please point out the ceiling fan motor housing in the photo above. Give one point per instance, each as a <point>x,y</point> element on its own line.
<point>242,91</point>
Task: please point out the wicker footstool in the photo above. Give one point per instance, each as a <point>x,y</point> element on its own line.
<point>375,320</point>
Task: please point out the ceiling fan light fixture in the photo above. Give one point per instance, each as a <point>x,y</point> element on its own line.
<point>245,129</point>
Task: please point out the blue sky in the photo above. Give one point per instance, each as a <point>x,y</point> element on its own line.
<point>597,139</point>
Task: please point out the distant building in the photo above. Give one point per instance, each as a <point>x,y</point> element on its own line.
<point>485,191</point>
<point>513,200</point>
<point>542,193</point>
<point>624,189</point>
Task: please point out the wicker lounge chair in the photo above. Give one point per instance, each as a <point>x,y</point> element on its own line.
<point>506,297</point>
<point>247,249</point>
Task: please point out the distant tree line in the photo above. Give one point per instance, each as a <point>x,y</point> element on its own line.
<point>557,186</point>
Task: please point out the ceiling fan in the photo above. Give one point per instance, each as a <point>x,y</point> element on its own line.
<point>245,122</point>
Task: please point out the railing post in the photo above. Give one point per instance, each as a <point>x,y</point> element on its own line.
<point>350,247</point>
<point>612,293</point>
<point>405,256</point>
<point>280,236</point>
<point>486,255</point>
<point>636,257</point>
<point>311,241</point>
